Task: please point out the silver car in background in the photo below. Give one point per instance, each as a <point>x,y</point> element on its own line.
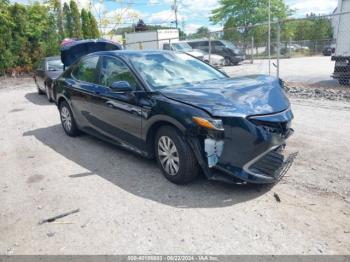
<point>215,60</point>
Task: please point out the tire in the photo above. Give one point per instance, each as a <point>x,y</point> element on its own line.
<point>47,91</point>
<point>67,120</point>
<point>344,82</point>
<point>40,92</point>
<point>182,167</point>
<point>227,61</point>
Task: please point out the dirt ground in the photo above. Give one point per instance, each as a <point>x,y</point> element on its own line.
<point>128,207</point>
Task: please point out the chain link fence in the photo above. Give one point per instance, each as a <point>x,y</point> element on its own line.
<point>313,51</point>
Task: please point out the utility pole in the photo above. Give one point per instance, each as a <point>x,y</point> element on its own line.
<point>269,40</point>
<point>175,8</point>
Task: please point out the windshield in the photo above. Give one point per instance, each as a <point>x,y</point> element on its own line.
<point>229,44</point>
<point>171,70</point>
<point>54,65</point>
<point>184,47</point>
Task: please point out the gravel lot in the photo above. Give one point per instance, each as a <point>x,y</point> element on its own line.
<point>127,207</point>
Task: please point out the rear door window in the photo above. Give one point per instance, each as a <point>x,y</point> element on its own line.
<point>86,70</point>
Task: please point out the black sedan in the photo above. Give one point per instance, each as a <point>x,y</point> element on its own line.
<point>180,110</point>
<point>48,70</point>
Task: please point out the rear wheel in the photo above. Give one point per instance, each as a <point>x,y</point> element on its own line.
<point>344,82</point>
<point>40,92</point>
<point>67,120</point>
<point>47,91</point>
<point>174,156</point>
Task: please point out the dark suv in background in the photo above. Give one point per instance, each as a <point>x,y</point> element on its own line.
<point>232,54</point>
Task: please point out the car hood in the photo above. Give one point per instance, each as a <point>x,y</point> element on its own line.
<point>241,96</point>
<point>54,74</point>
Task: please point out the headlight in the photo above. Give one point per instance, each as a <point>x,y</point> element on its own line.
<point>215,124</point>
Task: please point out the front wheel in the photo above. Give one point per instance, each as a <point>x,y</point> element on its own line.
<point>174,156</point>
<point>67,120</point>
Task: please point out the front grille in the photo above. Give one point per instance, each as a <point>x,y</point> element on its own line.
<point>273,127</point>
<point>269,164</point>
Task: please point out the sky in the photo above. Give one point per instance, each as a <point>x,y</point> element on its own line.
<point>192,14</point>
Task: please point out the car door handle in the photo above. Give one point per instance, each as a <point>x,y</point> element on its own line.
<point>97,92</point>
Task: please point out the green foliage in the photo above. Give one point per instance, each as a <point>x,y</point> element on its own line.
<point>76,24</point>
<point>6,25</point>
<point>248,12</point>
<point>85,24</point>
<point>95,33</point>
<point>67,21</point>
<point>314,28</point>
<point>201,32</point>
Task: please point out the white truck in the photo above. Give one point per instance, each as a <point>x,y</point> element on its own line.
<point>341,27</point>
<point>167,39</point>
<point>150,40</point>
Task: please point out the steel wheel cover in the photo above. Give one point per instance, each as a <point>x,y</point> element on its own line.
<point>66,118</point>
<point>168,155</point>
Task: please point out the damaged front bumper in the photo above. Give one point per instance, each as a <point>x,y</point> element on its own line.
<point>248,149</point>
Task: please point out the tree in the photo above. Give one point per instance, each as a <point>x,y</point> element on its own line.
<point>76,24</point>
<point>95,33</point>
<point>58,16</point>
<point>202,32</point>
<point>20,54</point>
<point>85,24</point>
<point>6,24</point>
<point>67,21</point>
<point>247,13</point>
<point>140,26</point>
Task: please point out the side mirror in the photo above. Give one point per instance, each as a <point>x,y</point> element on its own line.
<point>121,86</point>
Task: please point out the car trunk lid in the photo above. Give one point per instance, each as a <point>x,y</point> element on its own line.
<point>71,51</point>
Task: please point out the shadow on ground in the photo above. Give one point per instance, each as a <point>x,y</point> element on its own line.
<point>37,99</point>
<point>140,176</point>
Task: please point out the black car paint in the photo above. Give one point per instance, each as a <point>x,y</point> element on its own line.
<point>130,119</point>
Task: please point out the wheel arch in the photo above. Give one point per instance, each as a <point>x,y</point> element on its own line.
<point>151,131</point>
<point>60,100</point>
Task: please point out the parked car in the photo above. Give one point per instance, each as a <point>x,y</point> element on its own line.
<point>226,49</point>
<point>48,70</point>
<point>293,48</point>
<point>180,110</point>
<point>215,60</point>
<point>327,51</point>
